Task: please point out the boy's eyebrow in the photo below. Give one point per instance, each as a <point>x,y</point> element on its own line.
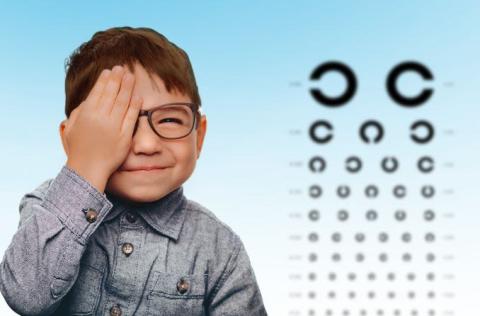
<point>151,107</point>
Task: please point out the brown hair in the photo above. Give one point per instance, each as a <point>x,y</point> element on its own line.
<point>124,46</point>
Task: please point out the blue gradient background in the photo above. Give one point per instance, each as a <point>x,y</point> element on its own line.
<point>252,62</point>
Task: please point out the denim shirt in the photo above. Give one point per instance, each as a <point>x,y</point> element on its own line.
<point>80,252</point>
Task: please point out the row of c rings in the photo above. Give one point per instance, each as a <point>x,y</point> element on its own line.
<point>389,164</point>
<point>372,191</point>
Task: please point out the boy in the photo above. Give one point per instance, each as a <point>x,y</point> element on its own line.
<point>113,233</point>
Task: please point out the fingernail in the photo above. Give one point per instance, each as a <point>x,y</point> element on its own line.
<point>117,68</point>
<point>105,72</point>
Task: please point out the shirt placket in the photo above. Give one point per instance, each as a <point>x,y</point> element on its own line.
<point>127,276</point>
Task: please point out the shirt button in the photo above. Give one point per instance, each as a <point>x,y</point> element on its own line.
<point>115,311</point>
<point>182,286</point>
<point>91,215</point>
<point>127,248</point>
<point>131,217</point>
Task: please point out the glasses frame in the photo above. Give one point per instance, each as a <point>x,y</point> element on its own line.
<point>195,108</point>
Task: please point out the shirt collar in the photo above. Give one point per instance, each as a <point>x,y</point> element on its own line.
<point>165,215</point>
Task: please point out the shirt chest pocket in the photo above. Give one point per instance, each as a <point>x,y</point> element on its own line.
<point>177,294</point>
<point>84,296</point>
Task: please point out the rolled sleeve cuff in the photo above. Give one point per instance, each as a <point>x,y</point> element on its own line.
<point>69,196</point>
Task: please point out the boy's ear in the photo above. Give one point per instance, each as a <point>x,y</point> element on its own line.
<point>62,135</point>
<point>201,131</point>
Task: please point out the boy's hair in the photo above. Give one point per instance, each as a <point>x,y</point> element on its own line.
<point>126,45</point>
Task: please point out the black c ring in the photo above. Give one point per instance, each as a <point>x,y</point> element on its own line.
<point>392,84</point>
<point>429,128</point>
<point>367,124</point>
<point>315,161</point>
<point>320,123</point>
<point>319,96</point>
<point>421,164</point>
<point>371,190</point>
<point>343,191</point>
<point>391,168</point>
<point>315,191</point>
<point>399,191</point>
<point>428,191</point>
<point>349,161</point>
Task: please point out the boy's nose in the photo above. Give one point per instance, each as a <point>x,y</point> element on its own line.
<point>144,139</point>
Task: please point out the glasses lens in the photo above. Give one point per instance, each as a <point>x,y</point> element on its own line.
<point>173,121</point>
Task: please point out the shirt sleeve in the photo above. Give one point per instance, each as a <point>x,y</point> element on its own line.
<point>42,262</point>
<point>237,292</point>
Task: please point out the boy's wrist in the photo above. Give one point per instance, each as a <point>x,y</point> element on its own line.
<point>94,175</point>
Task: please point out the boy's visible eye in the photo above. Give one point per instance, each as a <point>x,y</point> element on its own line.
<point>171,120</point>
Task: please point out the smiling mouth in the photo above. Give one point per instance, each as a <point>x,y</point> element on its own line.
<point>146,170</point>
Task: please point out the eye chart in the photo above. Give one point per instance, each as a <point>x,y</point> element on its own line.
<point>375,206</point>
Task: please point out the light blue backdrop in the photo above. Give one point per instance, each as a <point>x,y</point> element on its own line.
<point>252,62</point>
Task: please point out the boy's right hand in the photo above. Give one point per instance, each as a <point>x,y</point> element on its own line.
<point>99,131</point>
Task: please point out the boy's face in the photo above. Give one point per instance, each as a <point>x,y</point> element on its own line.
<point>179,156</point>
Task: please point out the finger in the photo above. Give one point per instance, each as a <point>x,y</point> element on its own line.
<point>132,114</point>
<point>123,98</point>
<point>111,90</point>
<point>97,89</point>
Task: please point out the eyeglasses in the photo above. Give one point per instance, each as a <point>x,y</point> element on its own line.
<point>172,120</point>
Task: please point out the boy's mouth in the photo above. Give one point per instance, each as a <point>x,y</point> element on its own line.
<point>146,170</point>
<point>143,168</point>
